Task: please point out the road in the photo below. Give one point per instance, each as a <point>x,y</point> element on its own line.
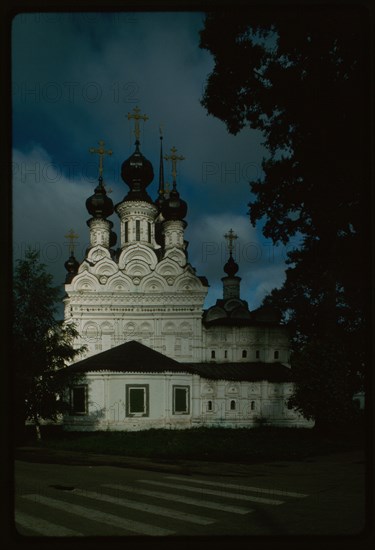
<point>322,496</point>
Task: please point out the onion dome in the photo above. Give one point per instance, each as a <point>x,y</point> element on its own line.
<point>231,267</point>
<point>174,208</point>
<point>137,171</point>
<point>71,265</point>
<point>99,205</point>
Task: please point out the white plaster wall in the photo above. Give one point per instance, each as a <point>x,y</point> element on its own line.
<point>107,403</point>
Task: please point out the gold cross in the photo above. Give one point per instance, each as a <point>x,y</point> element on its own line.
<point>137,117</point>
<point>230,237</point>
<point>71,236</point>
<point>174,158</point>
<point>101,152</point>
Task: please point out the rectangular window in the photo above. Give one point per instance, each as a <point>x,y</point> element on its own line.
<point>137,230</point>
<point>276,354</point>
<point>181,399</point>
<point>78,400</point>
<point>126,232</point>
<point>257,354</point>
<point>137,400</point>
<point>149,232</point>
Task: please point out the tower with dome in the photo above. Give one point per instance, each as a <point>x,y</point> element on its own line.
<point>154,356</point>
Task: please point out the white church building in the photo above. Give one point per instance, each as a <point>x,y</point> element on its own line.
<point>155,357</point>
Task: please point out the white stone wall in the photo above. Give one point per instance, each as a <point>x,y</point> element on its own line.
<point>254,403</point>
<point>241,344</point>
<point>158,303</point>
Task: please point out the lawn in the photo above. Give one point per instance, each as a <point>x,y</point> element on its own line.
<point>212,444</point>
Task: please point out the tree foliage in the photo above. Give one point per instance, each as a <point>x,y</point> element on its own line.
<point>42,346</point>
<point>301,78</point>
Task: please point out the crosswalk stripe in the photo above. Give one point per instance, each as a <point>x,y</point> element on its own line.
<point>102,517</point>
<point>240,487</point>
<point>149,508</point>
<point>185,500</point>
<point>205,491</point>
<point>43,527</point>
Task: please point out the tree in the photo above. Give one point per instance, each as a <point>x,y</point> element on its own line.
<point>300,77</point>
<point>42,346</point>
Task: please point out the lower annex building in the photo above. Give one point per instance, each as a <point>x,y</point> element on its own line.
<point>155,357</point>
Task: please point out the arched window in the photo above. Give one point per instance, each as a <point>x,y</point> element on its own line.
<point>276,355</point>
<point>252,406</point>
<point>233,405</point>
<point>213,354</point>
<point>244,353</point>
<point>225,354</point>
<point>209,405</point>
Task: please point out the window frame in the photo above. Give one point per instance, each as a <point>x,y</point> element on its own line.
<point>233,401</point>
<point>146,410</point>
<point>276,354</point>
<point>187,393</point>
<point>73,412</point>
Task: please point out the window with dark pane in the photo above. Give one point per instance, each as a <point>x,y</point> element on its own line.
<point>180,399</point>
<point>126,231</point>
<point>136,400</point>
<point>78,400</point>
<point>137,230</point>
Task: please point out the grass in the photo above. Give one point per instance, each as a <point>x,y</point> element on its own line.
<point>211,444</point>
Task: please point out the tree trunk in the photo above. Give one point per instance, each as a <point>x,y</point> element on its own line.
<point>37,429</point>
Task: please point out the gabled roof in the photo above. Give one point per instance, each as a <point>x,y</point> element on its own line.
<point>136,357</point>
<point>129,357</point>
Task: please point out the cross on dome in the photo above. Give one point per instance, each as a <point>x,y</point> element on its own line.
<point>137,117</point>
<point>71,236</point>
<point>230,237</point>
<point>101,152</point>
<point>174,158</point>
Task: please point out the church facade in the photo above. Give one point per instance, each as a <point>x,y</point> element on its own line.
<point>155,358</point>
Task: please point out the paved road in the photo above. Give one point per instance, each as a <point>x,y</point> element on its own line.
<point>323,496</point>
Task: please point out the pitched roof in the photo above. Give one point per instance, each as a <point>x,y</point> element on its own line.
<point>136,357</point>
<point>129,357</point>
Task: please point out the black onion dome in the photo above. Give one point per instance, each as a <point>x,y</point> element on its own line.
<point>71,265</point>
<point>137,171</point>
<point>99,205</point>
<point>231,267</point>
<point>174,208</point>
